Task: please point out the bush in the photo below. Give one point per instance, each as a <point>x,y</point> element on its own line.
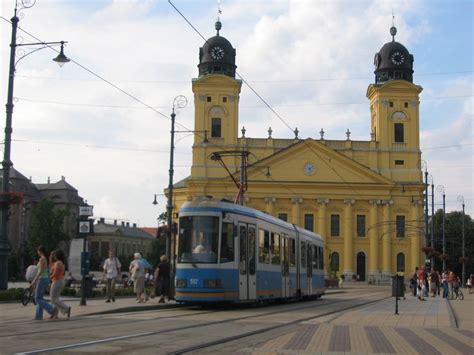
<point>67,291</point>
<point>12,294</point>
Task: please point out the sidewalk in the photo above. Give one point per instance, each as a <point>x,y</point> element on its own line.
<point>423,327</point>
<point>16,311</point>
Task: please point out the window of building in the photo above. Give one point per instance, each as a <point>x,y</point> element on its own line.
<point>283,216</point>
<point>335,225</point>
<point>400,262</point>
<point>399,162</point>
<point>275,249</point>
<point>335,262</point>
<point>263,246</point>
<point>227,243</point>
<point>391,103</point>
<point>303,254</point>
<point>224,99</point>
<point>292,252</point>
<point>216,127</point>
<point>400,226</point>
<point>316,257</point>
<point>361,225</point>
<point>209,99</point>
<point>405,104</point>
<point>399,134</point>
<point>309,222</point>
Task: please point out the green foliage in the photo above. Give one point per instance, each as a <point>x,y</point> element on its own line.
<point>47,227</point>
<point>158,248</point>
<point>125,261</point>
<point>453,233</point>
<point>12,294</point>
<point>14,267</point>
<point>163,218</point>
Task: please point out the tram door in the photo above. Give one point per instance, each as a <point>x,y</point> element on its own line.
<point>309,270</point>
<point>285,267</point>
<point>247,262</point>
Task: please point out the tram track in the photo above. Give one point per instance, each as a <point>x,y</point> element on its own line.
<point>212,323</point>
<point>267,329</point>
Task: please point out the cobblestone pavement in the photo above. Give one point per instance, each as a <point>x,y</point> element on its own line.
<point>313,327</point>
<point>427,327</point>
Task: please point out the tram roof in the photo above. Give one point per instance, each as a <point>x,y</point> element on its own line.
<point>223,206</point>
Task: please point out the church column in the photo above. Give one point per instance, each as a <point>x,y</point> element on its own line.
<point>348,241</point>
<point>374,231</point>
<point>270,205</point>
<point>321,228</point>
<point>415,238</point>
<point>296,210</point>
<point>386,240</point>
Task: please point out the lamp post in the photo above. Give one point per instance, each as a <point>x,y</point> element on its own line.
<point>178,102</point>
<point>461,199</point>
<point>440,188</point>
<point>432,221</point>
<point>7,163</point>
<point>426,203</point>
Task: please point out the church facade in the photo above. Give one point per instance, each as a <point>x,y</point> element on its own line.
<point>365,198</point>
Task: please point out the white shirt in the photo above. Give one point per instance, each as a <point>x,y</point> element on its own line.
<point>140,269</point>
<point>31,272</point>
<point>111,267</point>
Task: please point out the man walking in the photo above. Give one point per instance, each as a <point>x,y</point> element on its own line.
<point>111,271</point>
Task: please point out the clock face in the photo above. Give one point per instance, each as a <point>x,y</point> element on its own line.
<point>309,169</point>
<point>217,52</point>
<point>397,58</point>
<point>376,60</point>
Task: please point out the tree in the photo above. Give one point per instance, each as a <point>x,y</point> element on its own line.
<point>453,234</point>
<point>47,227</point>
<point>158,248</point>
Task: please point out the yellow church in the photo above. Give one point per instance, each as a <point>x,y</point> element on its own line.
<point>365,198</point>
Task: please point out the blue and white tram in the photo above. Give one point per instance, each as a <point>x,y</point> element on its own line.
<point>232,253</point>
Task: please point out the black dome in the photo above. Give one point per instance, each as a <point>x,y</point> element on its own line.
<point>217,56</point>
<point>393,61</point>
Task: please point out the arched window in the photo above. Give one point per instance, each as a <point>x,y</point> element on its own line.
<point>335,261</point>
<point>400,262</point>
<point>216,129</point>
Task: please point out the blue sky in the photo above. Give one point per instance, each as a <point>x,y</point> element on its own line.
<point>312,60</point>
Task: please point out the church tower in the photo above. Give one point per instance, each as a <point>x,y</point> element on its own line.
<point>216,102</point>
<point>394,110</point>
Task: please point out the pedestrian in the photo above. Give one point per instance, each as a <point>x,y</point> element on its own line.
<point>470,283</point>
<point>31,271</point>
<point>40,282</point>
<point>111,272</point>
<point>444,283</point>
<point>421,283</point>
<point>414,281</point>
<point>162,279</point>
<point>434,282</point>
<point>451,279</point>
<point>137,273</point>
<point>57,278</point>
<point>70,279</point>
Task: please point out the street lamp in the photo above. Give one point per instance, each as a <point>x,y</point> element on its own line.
<point>7,163</point>
<point>178,102</point>
<point>440,188</point>
<point>461,199</point>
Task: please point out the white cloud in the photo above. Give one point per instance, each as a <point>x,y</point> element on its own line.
<point>291,52</point>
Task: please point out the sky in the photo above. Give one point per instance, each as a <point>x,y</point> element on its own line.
<point>90,121</point>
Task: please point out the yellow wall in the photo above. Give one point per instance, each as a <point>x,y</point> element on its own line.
<point>351,177</point>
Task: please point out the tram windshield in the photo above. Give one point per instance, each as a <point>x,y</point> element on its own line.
<point>198,239</point>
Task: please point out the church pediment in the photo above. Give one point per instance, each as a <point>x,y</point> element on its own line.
<point>311,161</point>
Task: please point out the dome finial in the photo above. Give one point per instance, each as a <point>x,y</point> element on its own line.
<point>219,12</point>
<point>393,29</point>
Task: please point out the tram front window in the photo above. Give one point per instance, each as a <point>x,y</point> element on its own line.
<point>198,239</point>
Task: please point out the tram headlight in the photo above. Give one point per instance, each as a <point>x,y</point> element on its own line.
<point>212,283</point>
<point>181,283</point>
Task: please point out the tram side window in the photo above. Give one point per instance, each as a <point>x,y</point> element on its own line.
<point>292,252</point>
<point>321,258</point>
<point>303,254</point>
<point>263,246</point>
<point>275,249</point>
<point>315,257</point>
<point>227,243</point>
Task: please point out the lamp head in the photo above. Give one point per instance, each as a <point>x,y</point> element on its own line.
<point>61,59</point>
